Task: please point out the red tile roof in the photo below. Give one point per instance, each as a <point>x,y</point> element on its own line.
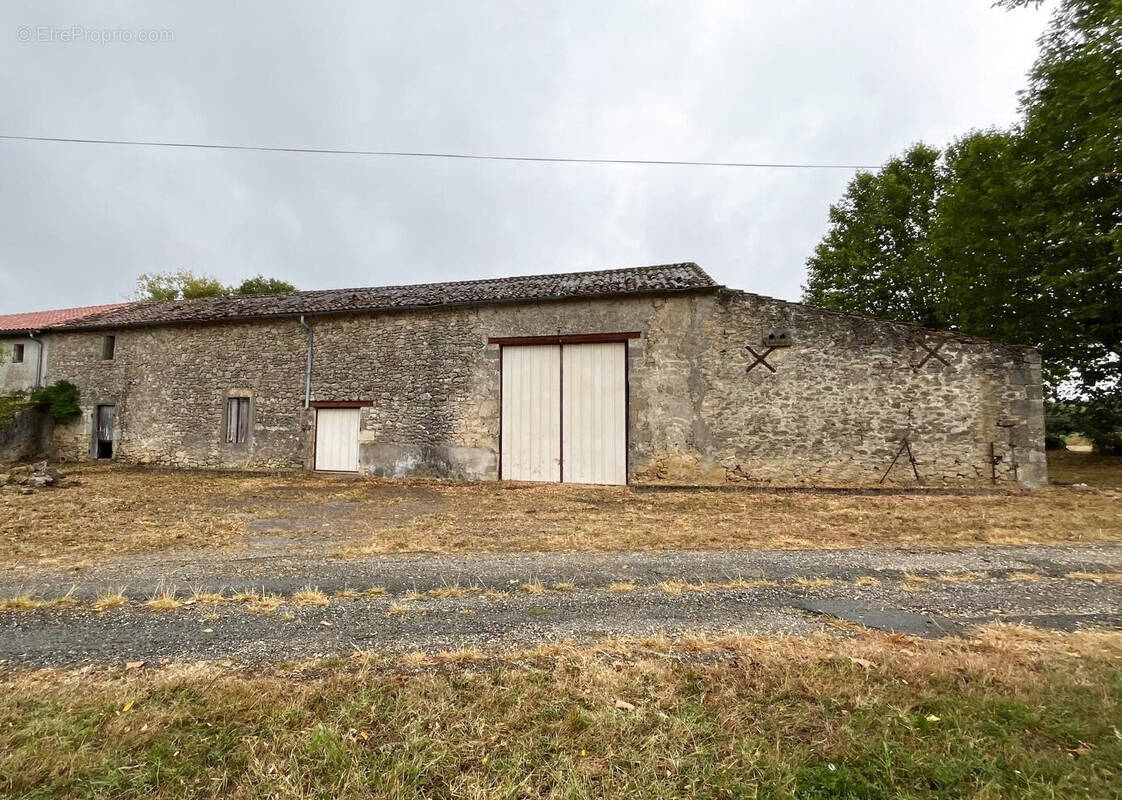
<point>37,320</point>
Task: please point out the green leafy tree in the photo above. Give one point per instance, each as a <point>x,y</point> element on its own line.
<point>1013,234</point>
<point>259,284</point>
<point>979,241</point>
<point>1072,137</point>
<point>181,285</point>
<point>875,257</point>
<point>186,285</point>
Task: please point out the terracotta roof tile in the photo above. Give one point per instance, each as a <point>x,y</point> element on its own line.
<point>633,280</point>
<point>37,320</point>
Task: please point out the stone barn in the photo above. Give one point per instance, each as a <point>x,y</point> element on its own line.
<point>643,375</point>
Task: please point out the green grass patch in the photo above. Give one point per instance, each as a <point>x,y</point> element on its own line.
<point>754,718</point>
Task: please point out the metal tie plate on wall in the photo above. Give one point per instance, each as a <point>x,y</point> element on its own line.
<point>933,352</point>
<point>761,358</point>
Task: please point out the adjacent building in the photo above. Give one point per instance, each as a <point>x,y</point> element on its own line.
<point>642,375</point>
<point>24,343</point>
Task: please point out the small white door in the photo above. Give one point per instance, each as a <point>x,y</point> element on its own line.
<point>531,419</point>
<point>337,439</point>
<point>594,403</point>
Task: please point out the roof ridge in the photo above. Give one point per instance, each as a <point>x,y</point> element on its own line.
<point>619,281</point>
<point>693,266</point>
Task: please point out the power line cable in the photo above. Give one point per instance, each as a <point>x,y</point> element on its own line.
<point>463,156</point>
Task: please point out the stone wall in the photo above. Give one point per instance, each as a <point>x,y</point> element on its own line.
<point>841,400</point>
<point>18,375</point>
<point>170,386</point>
<point>25,435</point>
<point>848,391</point>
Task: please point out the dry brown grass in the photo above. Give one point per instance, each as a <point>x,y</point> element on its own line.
<point>108,600</point>
<point>118,511</point>
<point>20,602</point>
<point>265,603</point>
<point>743,583</point>
<point>1096,577</point>
<point>308,596</point>
<point>163,600</point>
<point>551,518</point>
<point>676,587</point>
<point>961,577</point>
<point>622,587</point>
<point>673,587</point>
<point>493,594</point>
<point>445,592</point>
<point>467,655</point>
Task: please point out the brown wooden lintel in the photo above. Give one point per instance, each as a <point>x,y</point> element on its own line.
<point>565,338</point>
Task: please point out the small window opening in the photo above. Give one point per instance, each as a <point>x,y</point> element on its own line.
<point>17,354</point>
<point>237,420</point>
<point>108,347</point>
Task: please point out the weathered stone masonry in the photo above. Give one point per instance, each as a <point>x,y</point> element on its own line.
<point>843,396</point>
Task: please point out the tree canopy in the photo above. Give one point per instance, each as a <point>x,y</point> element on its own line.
<point>259,284</point>
<point>1013,234</point>
<point>875,257</point>
<point>186,285</point>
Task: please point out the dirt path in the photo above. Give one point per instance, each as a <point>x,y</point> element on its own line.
<point>917,592</point>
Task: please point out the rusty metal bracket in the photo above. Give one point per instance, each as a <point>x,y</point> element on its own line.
<point>761,358</point>
<point>904,446</point>
<point>933,352</point>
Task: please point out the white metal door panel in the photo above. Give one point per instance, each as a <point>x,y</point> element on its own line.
<point>531,418</point>
<point>337,439</point>
<point>594,407</point>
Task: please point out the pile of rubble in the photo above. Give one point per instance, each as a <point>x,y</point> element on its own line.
<point>30,476</point>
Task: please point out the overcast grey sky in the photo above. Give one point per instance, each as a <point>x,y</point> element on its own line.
<point>850,81</point>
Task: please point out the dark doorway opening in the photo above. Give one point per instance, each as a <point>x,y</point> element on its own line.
<point>103,434</point>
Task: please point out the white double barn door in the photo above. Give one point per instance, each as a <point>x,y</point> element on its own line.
<point>564,413</point>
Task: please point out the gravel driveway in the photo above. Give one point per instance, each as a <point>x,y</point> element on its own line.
<point>920,592</point>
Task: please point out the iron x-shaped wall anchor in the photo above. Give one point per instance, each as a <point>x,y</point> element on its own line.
<point>761,358</point>
<point>933,352</point>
